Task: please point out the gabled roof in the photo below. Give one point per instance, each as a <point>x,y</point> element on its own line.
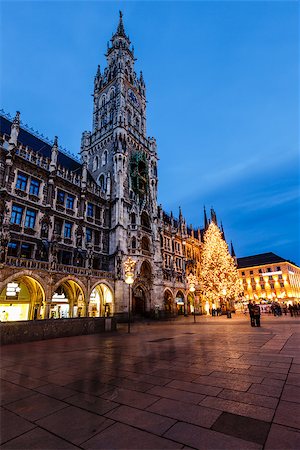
<point>38,145</point>
<point>259,260</point>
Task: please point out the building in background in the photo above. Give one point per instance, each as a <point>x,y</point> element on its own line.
<point>268,277</point>
<point>68,225</point>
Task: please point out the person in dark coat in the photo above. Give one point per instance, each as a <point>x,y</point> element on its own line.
<point>250,307</point>
<point>256,314</point>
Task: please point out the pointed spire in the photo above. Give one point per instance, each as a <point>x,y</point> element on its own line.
<point>180,214</point>
<point>120,29</point>
<point>98,71</point>
<point>222,231</point>
<point>213,216</point>
<point>205,220</point>
<point>232,252</point>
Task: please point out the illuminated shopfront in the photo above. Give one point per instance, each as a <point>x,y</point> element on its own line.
<point>21,299</point>
<point>101,301</point>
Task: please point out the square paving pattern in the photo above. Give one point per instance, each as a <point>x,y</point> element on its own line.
<point>214,384</point>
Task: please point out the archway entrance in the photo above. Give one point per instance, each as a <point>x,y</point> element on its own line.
<point>138,301</point>
<point>168,302</point>
<point>67,301</point>
<point>180,302</point>
<point>22,299</point>
<point>101,301</point>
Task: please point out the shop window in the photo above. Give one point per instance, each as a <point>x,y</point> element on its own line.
<point>90,210</point>
<point>70,201</point>
<point>13,248</point>
<point>68,230</point>
<point>34,187</point>
<point>61,197</point>
<point>88,235</point>
<point>16,214</point>
<point>26,250</point>
<point>30,218</point>
<point>21,181</point>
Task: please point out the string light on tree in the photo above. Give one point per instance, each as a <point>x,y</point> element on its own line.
<point>218,271</point>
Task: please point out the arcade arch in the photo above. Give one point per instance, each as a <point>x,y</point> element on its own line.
<point>180,302</point>
<point>67,301</point>
<point>22,298</point>
<point>101,301</point>
<point>168,301</point>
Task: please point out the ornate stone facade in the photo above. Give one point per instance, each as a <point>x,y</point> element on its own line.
<point>68,226</point>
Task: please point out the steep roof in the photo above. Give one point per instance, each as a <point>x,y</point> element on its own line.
<point>38,145</point>
<point>259,260</point>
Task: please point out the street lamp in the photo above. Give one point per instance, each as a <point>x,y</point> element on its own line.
<point>129,265</point>
<point>192,279</point>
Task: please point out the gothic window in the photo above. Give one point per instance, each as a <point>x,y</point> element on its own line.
<point>68,230</point>
<point>88,235</point>
<point>34,187</point>
<point>16,214</point>
<point>102,182</point>
<point>61,197</point>
<point>133,218</point>
<point>133,242</point>
<point>90,210</point>
<point>95,163</point>
<point>21,181</point>
<point>104,158</point>
<point>103,100</point>
<point>129,117</point>
<point>111,116</point>
<point>145,244</point>
<point>145,222</point>
<point>70,201</point>
<point>111,94</point>
<point>30,218</point>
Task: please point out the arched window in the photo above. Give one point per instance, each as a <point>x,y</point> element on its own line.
<point>103,100</point>
<point>104,158</point>
<point>145,222</point>
<point>133,242</point>
<point>129,117</point>
<point>111,94</point>
<point>133,218</point>
<point>95,163</point>
<point>145,244</point>
<point>102,182</point>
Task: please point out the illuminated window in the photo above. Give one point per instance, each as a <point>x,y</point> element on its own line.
<point>88,235</point>
<point>30,218</point>
<point>34,187</point>
<point>90,210</point>
<point>68,230</point>
<point>16,214</point>
<point>61,197</point>
<point>21,181</point>
<point>70,201</point>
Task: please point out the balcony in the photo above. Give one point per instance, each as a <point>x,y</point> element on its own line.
<point>61,268</point>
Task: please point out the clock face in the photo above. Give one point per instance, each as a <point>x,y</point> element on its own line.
<point>133,98</point>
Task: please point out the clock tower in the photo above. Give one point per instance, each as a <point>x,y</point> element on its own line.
<point>123,161</point>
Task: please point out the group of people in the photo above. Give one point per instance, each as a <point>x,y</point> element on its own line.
<point>277,310</point>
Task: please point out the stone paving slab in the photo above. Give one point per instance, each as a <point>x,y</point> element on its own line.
<point>216,384</point>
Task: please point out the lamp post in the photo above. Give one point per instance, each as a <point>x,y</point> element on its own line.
<point>129,265</point>
<point>192,279</point>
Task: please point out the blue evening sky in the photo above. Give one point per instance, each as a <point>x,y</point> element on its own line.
<point>222,82</point>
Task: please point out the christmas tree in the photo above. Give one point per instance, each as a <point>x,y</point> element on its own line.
<point>219,278</point>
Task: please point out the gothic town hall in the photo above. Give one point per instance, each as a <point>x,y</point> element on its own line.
<point>67,226</point>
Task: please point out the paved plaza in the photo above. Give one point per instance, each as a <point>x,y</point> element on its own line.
<point>216,384</point>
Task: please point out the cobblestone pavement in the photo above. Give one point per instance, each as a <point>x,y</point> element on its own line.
<point>216,384</point>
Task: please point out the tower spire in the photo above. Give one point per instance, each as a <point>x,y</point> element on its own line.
<point>205,220</point>
<point>121,29</point>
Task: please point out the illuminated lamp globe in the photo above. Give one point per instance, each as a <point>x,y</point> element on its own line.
<point>129,278</point>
